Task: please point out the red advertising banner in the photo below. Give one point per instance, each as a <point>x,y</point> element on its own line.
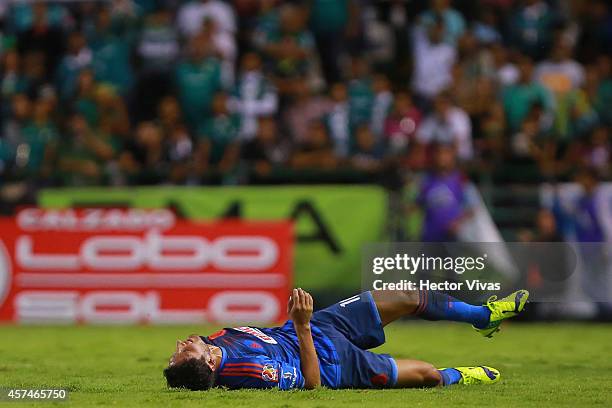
<point>141,266</point>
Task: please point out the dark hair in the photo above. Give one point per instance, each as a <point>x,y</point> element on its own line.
<point>193,374</point>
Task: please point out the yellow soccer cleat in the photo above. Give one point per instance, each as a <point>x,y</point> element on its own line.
<point>502,309</point>
<point>478,375</point>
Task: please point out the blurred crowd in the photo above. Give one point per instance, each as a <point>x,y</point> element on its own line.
<point>125,92</point>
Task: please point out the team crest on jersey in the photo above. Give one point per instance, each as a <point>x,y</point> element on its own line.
<point>291,376</point>
<point>269,373</point>
<point>257,333</point>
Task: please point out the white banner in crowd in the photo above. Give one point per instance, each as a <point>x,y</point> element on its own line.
<point>481,228</point>
<point>591,279</point>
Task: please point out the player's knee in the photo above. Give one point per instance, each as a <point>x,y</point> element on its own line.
<point>431,376</point>
<point>409,300</point>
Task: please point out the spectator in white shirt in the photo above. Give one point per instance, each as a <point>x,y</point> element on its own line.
<point>448,124</point>
<point>338,120</point>
<point>254,95</point>
<point>433,61</point>
<point>506,72</point>
<point>560,74</point>
<point>192,14</point>
<point>383,102</point>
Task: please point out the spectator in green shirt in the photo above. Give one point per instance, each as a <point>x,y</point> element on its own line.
<point>112,112</point>
<point>87,155</point>
<point>12,134</point>
<point>333,23</point>
<point>266,23</point>
<point>518,99</point>
<point>157,51</point>
<point>85,101</point>
<point>79,57</point>
<point>12,80</point>
<point>531,28</point>
<point>603,97</point>
<point>289,52</point>
<point>6,157</point>
<point>39,144</point>
<point>360,93</point>
<point>20,113</point>
<point>454,22</point>
<point>197,81</point>
<point>111,54</point>
<point>565,78</point>
<point>218,141</point>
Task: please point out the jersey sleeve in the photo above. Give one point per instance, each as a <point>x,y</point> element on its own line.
<point>259,372</point>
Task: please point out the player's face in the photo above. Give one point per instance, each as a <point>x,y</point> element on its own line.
<point>192,347</point>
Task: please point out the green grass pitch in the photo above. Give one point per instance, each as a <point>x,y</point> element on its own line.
<point>541,365</point>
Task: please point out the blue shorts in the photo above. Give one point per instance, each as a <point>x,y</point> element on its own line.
<point>354,326</point>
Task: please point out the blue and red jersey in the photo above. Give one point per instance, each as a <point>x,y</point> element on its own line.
<point>342,335</point>
<point>270,357</point>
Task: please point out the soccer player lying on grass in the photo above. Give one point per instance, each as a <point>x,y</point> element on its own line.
<point>330,347</point>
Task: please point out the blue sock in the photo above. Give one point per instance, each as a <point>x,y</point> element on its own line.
<point>440,306</point>
<point>450,376</point>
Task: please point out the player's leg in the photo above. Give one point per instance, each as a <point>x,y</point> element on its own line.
<point>416,374</point>
<point>361,318</point>
<point>419,374</point>
<point>433,305</point>
<point>429,305</point>
<point>393,305</point>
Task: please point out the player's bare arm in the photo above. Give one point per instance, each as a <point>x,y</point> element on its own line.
<point>300,309</point>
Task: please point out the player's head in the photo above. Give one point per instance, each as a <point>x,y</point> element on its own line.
<point>192,365</point>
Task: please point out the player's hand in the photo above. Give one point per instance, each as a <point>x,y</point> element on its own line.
<point>300,306</point>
